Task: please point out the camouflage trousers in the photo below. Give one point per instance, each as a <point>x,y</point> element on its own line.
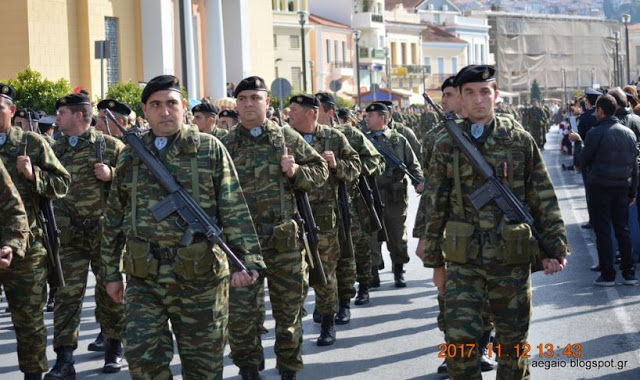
<point>487,322</point>
<point>327,295</point>
<point>285,275</point>
<point>198,312</point>
<point>358,267</point>
<point>76,258</point>
<point>508,290</point>
<point>24,283</point>
<point>396,203</point>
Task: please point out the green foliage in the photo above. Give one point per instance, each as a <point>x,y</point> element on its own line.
<point>38,93</point>
<point>535,91</point>
<point>129,93</point>
<point>344,103</point>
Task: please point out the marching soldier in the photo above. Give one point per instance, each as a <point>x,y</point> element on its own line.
<point>205,116</point>
<point>120,110</point>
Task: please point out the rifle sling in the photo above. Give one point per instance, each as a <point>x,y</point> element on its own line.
<point>456,180</point>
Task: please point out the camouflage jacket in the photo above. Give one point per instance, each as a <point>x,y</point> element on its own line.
<point>527,178</point>
<point>87,194</point>
<point>428,121</point>
<point>371,161</point>
<point>257,161</point>
<point>51,178</point>
<point>410,136</point>
<point>201,164</point>
<point>534,117</point>
<point>219,133</point>
<point>14,227</point>
<point>347,161</point>
<point>399,146</point>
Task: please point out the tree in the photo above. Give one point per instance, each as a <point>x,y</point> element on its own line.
<point>129,93</point>
<point>535,91</point>
<point>38,93</point>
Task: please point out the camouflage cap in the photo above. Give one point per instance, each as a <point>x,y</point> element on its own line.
<point>253,83</point>
<point>160,83</point>
<point>206,108</point>
<point>474,73</point>
<point>73,100</point>
<point>114,106</point>
<point>7,92</point>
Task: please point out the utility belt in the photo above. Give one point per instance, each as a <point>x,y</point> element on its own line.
<point>510,244</point>
<point>282,236</point>
<point>68,224</point>
<point>142,259</point>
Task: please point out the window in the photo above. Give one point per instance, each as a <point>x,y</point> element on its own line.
<point>403,53</point>
<point>380,42</point>
<point>427,61</point>
<point>482,57</point>
<point>328,54</point>
<point>335,51</point>
<point>294,41</point>
<point>440,65</point>
<point>113,62</point>
<point>344,51</point>
<point>290,5</point>
<point>454,64</point>
<point>296,78</point>
<point>275,41</point>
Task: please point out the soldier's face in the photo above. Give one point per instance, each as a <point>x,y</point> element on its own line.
<point>324,117</point>
<point>205,122</point>
<point>374,120</point>
<point>6,113</point>
<point>65,119</point>
<point>252,107</point>
<point>22,123</point>
<point>164,111</point>
<point>226,123</point>
<point>478,100</point>
<point>299,116</point>
<point>451,100</point>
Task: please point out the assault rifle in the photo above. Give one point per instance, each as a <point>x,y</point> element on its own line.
<point>191,216</point>
<point>309,230</point>
<point>393,161</point>
<point>493,189</point>
<point>344,227</point>
<point>368,195</point>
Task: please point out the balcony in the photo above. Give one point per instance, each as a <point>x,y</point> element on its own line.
<point>342,69</point>
<point>367,20</point>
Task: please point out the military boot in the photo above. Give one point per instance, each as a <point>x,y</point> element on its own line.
<point>286,374</point>
<point>344,313</point>
<point>317,317</point>
<point>33,376</point>
<point>98,344</point>
<point>362,298</point>
<point>63,370</point>
<point>375,277</point>
<point>51,300</point>
<point>112,356</point>
<point>486,363</point>
<point>250,373</point>
<point>398,276</point>
<point>327,331</point>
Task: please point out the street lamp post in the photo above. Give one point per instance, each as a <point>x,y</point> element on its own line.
<point>303,16</point>
<point>564,86</point>
<point>356,35</point>
<point>616,68</point>
<point>625,20</point>
<point>311,75</point>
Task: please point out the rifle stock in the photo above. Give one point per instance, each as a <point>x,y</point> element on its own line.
<point>51,239</point>
<point>344,227</point>
<point>309,227</point>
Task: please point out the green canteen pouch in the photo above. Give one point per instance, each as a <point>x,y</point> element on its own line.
<point>285,236</point>
<point>138,261</point>
<point>194,262</point>
<point>519,244</point>
<point>458,237</point>
<point>64,225</point>
<point>326,218</point>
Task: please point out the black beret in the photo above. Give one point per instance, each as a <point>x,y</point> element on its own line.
<point>114,106</point>
<point>206,108</point>
<point>591,91</point>
<point>379,107</point>
<point>326,98</point>
<point>229,113</point>
<point>73,100</point>
<point>160,83</point>
<point>474,73</point>
<point>7,91</point>
<point>305,100</point>
<point>253,83</point>
<point>344,113</point>
<point>24,112</point>
<point>448,83</point>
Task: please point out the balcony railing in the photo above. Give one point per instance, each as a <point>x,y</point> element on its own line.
<point>410,69</point>
<point>343,64</point>
<point>377,18</point>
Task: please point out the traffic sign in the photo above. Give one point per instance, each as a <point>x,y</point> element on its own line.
<point>335,85</point>
<point>281,88</point>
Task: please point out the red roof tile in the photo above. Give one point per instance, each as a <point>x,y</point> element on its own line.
<point>434,34</point>
<point>315,19</point>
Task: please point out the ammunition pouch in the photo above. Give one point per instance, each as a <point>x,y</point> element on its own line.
<point>459,243</point>
<point>64,225</point>
<point>284,237</point>
<point>194,262</point>
<point>519,244</point>
<point>138,260</point>
<point>326,217</point>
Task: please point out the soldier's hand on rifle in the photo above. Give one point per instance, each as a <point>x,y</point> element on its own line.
<point>23,164</point>
<point>241,279</point>
<point>115,290</point>
<point>331,158</point>
<point>552,266</point>
<point>420,188</point>
<point>288,164</point>
<point>102,172</point>
<point>6,255</point>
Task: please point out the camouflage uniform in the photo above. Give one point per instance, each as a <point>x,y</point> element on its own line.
<point>428,121</point>
<point>410,136</point>
<point>493,261</point>
<point>324,203</point>
<point>358,267</point>
<point>269,194</point>
<point>535,122</point>
<point>79,217</point>
<point>14,225</point>
<point>219,133</point>
<point>186,285</point>
<point>393,193</point>
<point>30,271</point>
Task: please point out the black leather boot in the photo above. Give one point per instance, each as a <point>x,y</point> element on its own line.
<point>63,370</point>
<point>344,313</point>
<point>250,373</point>
<point>112,356</point>
<point>398,276</point>
<point>286,374</point>
<point>486,363</point>
<point>327,331</point>
<point>33,376</point>
<point>51,300</point>
<point>317,317</point>
<point>98,344</point>
<point>375,277</point>
<point>362,298</point>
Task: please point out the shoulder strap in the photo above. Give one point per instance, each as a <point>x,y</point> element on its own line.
<point>456,180</point>
<point>134,194</point>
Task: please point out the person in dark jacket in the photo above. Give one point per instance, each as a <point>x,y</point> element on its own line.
<point>611,155</point>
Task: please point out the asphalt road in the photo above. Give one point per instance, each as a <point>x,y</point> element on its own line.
<point>396,337</point>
